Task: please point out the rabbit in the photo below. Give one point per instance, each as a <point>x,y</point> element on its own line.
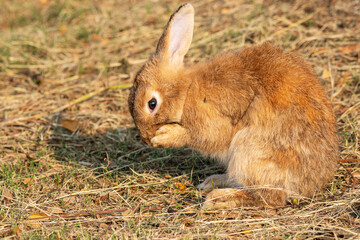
<point>260,111</point>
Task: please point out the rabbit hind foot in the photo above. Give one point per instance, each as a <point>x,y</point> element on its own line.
<point>229,198</point>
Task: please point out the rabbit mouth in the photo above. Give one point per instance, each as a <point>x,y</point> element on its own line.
<point>147,141</point>
<point>145,137</point>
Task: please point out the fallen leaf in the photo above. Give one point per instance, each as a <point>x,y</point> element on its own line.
<point>325,74</point>
<point>180,186</point>
<point>127,217</point>
<point>104,40</point>
<point>71,125</point>
<point>320,50</point>
<point>7,194</point>
<point>37,215</point>
<point>43,2</point>
<point>356,174</point>
<point>17,230</point>
<point>127,212</point>
<point>167,176</point>
<point>257,216</point>
<point>63,29</point>
<point>247,231</point>
<point>28,181</point>
<point>95,37</point>
<point>224,10</point>
<point>10,72</point>
<point>349,49</point>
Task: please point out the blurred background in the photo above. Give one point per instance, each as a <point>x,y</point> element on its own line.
<point>68,143</point>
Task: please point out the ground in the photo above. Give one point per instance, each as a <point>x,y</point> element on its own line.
<point>71,162</point>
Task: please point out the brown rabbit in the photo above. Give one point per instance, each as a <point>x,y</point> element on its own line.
<point>261,111</point>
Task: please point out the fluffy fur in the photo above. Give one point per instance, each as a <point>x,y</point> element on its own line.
<point>261,111</point>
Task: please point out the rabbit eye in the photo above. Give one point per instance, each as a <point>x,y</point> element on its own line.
<point>152,103</point>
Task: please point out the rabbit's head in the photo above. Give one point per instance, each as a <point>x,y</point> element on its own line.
<point>159,91</point>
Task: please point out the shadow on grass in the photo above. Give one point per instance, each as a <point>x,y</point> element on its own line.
<point>120,151</point>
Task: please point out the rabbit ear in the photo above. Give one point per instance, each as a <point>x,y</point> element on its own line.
<point>176,39</point>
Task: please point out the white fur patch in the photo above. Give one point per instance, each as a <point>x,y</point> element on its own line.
<point>156,95</point>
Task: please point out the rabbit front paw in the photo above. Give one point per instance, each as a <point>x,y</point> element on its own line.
<point>170,135</point>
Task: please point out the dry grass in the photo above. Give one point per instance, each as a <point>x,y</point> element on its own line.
<point>69,152</point>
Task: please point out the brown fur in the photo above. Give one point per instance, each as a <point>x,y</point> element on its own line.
<point>261,111</point>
